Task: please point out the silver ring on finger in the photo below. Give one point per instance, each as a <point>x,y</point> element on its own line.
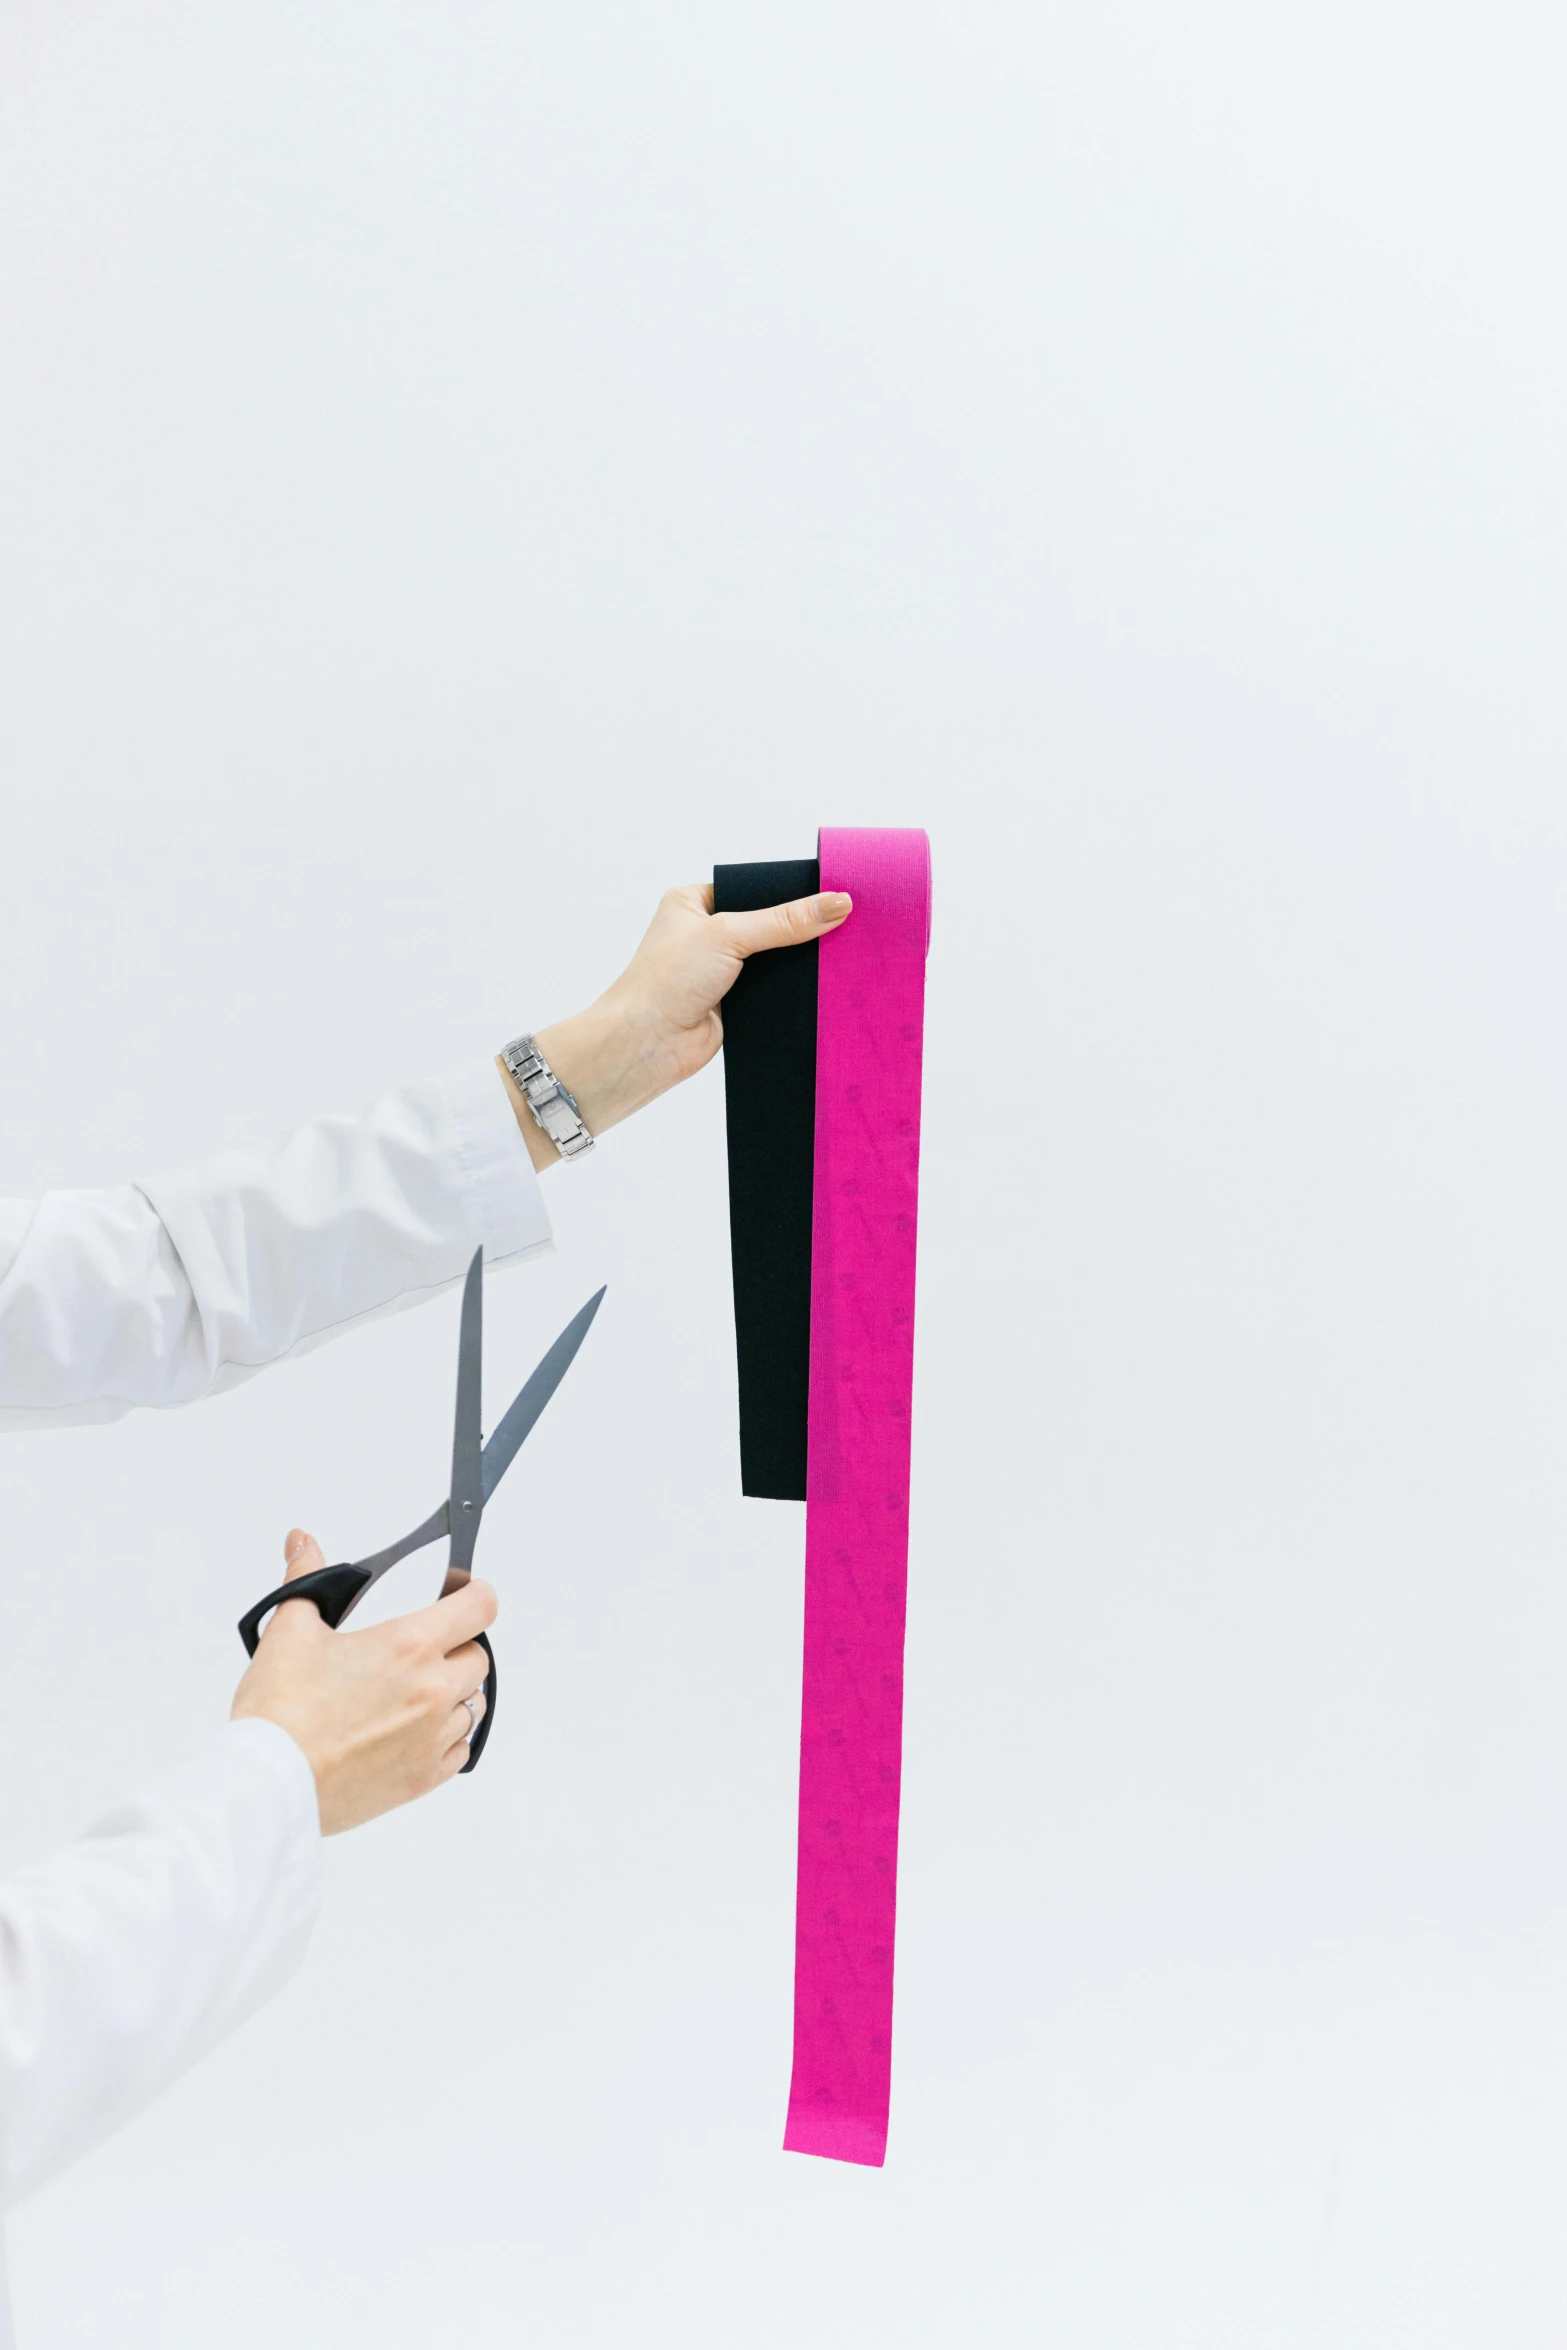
<point>472,1703</point>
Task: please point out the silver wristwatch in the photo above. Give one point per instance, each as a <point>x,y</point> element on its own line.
<point>552,1106</point>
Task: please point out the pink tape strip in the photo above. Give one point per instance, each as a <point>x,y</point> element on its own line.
<point>869,1033</point>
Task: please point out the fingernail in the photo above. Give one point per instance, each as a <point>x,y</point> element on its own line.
<point>293,1546</point>
<point>836,903</point>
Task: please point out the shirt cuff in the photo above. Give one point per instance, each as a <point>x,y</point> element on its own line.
<point>498,1177</point>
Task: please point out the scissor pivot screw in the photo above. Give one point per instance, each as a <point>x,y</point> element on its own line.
<point>467,1505</point>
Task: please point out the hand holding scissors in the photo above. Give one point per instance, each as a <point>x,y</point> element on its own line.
<point>477,1468</point>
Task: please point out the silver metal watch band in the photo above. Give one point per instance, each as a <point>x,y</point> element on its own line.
<point>553,1107</point>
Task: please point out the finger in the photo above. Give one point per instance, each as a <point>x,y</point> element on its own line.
<point>786,926</point>
<point>301,1556</point>
<point>705,891</point>
<point>459,1729</point>
<point>452,1622</point>
<point>465,1671</point>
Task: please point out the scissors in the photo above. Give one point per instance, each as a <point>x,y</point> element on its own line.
<point>477,1468</point>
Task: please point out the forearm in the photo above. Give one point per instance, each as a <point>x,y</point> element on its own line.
<point>127,1956</point>
<point>608,1066</point>
<point>169,1290</point>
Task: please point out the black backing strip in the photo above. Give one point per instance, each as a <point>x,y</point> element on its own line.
<point>770,1108</point>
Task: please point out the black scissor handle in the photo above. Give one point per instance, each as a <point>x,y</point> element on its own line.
<point>476,1742</point>
<point>332,1589</point>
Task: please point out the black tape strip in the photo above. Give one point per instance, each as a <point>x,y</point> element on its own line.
<point>770,1108</point>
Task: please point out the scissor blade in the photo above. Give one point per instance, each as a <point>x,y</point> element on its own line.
<point>521,1415</point>
<point>467,1499</point>
<point>439,1522</point>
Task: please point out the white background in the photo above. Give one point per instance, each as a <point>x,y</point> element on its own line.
<point>463,469</point>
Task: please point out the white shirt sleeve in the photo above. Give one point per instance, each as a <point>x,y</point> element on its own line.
<point>131,1953</point>
<point>182,1285</point>
<point>123,1958</point>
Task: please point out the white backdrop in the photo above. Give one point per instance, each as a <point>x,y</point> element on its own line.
<point>464,469</point>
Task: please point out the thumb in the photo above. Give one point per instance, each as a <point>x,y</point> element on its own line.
<point>786,926</point>
<point>301,1556</point>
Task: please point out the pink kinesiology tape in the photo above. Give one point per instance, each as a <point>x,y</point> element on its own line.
<point>869,1037</point>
